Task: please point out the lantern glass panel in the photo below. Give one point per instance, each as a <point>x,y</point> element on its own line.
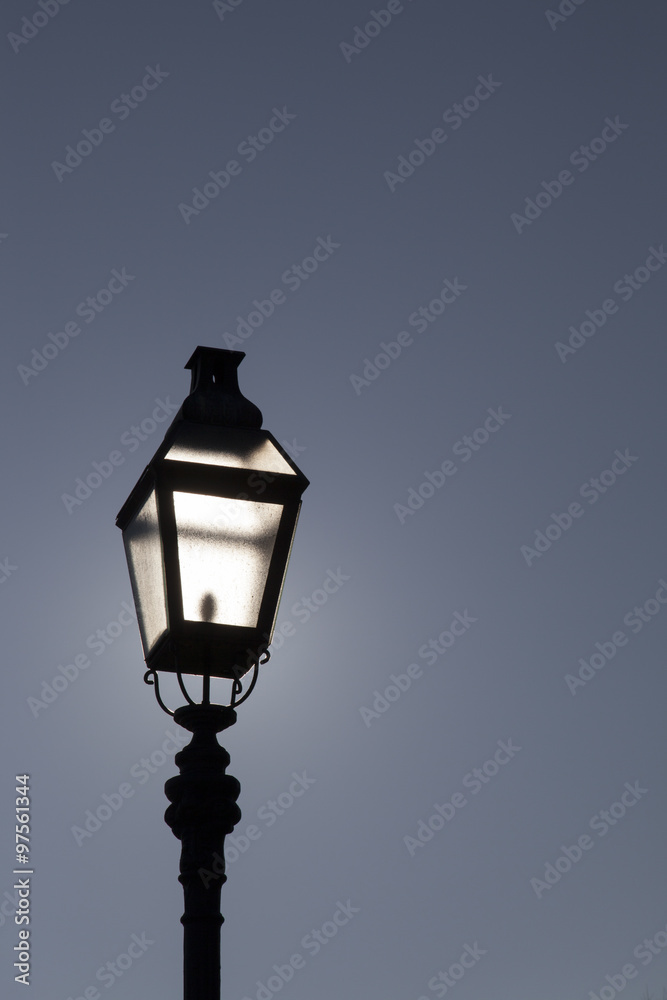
<point>144,557</point>
<point>236,449</point>
<point>224,552</point>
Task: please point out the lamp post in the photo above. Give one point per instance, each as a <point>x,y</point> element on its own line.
<point>208,530</point>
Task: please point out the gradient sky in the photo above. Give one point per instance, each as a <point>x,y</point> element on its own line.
<point>498,456</point>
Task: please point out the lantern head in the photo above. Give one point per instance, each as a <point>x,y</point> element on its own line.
<point>208,529</point>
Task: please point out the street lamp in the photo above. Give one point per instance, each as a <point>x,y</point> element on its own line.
<point>208,531</point>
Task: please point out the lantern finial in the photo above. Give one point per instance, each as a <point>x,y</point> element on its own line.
<point>215,397</point>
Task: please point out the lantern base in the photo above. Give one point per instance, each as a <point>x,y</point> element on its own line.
<point>200,656</point>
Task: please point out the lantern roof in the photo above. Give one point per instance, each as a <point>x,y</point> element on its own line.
<point>216,426</point>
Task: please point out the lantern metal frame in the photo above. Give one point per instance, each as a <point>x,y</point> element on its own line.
<point>217,415</point>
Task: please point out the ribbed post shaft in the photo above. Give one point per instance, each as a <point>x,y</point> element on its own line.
<point>203,811</point>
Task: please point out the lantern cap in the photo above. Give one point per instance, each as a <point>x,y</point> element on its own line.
<point>215,397</point>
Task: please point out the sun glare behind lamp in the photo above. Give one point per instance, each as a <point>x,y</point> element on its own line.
<point>208,529</point>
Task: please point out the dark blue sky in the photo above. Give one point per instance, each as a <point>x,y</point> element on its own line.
<point>437,231</point>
